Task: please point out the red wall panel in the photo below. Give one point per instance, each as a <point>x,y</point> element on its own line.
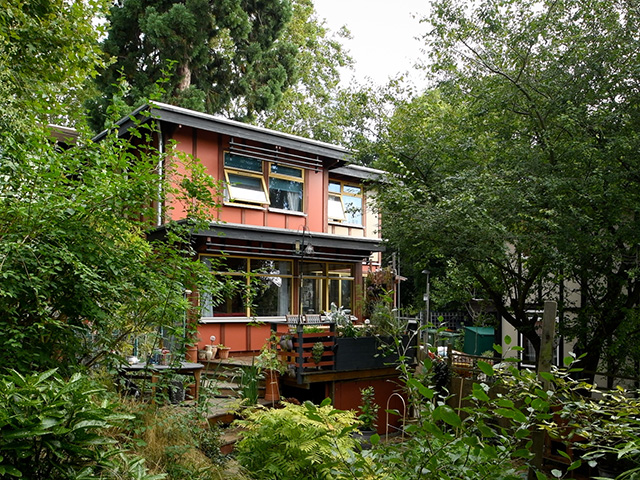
<point>347,397</point>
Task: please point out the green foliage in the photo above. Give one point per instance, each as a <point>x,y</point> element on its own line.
<point>315,105</point>
<point>177,441</point>
<point>317,351</point>
<point>268,358</point>
<point>78,276</point>
<point>298,441</point>
<point>518,166</point>
<point>222,56</point>
<point>368,409</point>
<point>249,380</point>
<point>48,49</point>
<point>51,428</point>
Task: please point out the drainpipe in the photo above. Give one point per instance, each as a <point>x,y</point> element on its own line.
<point>160,174</point>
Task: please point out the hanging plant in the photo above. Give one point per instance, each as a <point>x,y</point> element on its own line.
<point>317,351</point>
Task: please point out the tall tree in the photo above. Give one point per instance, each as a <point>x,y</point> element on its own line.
<point>214,56</point>
<point>315,105</point>
<point>76,272</point>
<point>48,48</point>
<point>521,173</point>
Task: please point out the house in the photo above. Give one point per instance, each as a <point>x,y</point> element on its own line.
<point>295,223</point>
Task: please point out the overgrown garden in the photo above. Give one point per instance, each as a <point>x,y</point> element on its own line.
<point>517,171</point>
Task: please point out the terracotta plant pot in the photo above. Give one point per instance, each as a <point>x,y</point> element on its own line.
<point>223,352</point>
<point>272,388</point>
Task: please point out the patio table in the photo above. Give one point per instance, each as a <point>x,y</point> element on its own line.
<point>184,368</point>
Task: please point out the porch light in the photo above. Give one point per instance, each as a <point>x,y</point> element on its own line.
<point>303,246</point>
<point>302,249</point>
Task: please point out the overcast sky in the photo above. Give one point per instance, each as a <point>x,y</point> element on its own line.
<point>383,31</point>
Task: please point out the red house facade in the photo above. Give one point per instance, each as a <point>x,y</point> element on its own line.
<point>295,223</point>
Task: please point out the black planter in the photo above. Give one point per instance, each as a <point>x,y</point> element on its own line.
<point>366,353</point>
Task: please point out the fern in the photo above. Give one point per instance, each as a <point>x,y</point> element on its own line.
<point>304,442</point>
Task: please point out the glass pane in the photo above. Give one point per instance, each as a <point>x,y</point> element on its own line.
<point>337,269</point>
<point>312,296</point>
<point>232,303</point>
<point>340,293</point>
<point>336,212</point>
<point>275,267</point>
<point>334,187</point>
<point>285,194</point>
<point>352,190</point>
<point>250,189</point>
<point>240,161</point>
<point>353,209</point>
<point>285,185</point>
<point>315,269</point>
<point>289,171</point>
<point>232,264</point>
<point>273,296</point>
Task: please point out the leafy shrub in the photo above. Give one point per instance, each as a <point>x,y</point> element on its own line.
<point>368,409</point>
<point>51,428</point>
<point>304,442</point>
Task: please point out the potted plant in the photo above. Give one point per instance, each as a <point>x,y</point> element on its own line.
<point>223,351</point>
<point>368,416</point>
<point>269,362</point>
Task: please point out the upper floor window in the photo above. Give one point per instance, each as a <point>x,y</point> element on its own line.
<point>247,182</point>
<point>285,187</point>
<point>345,203</point>
<point>245,179</point>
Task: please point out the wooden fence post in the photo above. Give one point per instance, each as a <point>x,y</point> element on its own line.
<point>544,365</point>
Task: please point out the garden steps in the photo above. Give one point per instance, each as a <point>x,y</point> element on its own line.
<point>229,438</point>
<point>223,411</point>
<point>223,375</point>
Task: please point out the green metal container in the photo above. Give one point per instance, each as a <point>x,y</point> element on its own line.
<point>478,340</point>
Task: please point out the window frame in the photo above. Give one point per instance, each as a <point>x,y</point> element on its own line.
<point>236,194</point>
<point>523,342</point>
<point>282,176</point>
<point>232,192</point>
<point>344,219</point>
<point>323,277</point>
<point>247,277</point>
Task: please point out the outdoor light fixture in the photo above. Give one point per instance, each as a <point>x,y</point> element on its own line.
<point>303,246</point>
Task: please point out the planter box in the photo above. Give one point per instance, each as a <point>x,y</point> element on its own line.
<point>367,353</point>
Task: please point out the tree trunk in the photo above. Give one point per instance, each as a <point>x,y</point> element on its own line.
<point>184,74</point>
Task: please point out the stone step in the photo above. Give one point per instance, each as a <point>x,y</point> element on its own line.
<point>229,438</point>
<point>223,411</point>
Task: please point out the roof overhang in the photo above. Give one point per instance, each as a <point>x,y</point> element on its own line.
<point>358,171</point>
<point>281,243</point>
<point>166,113</point>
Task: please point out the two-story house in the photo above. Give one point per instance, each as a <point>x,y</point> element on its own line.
<point>295,222</point>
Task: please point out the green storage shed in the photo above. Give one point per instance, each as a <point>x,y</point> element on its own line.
<point>478,340</point>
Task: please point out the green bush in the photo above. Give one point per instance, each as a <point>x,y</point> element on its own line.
<point>52,428</point>
<point>302,442</point>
